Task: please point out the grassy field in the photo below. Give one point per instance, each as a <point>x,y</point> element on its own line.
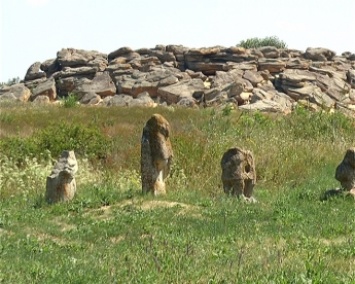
<point>111,233</point>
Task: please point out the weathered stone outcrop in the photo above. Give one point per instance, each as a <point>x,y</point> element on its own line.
<point>101,84</point>
<point>70,57</point>
<point>319,54</point>
<point>61,185</point>
<point>266,78</point>
<point>45,88</point>
<point>34,72</point>
<point>173,93</point>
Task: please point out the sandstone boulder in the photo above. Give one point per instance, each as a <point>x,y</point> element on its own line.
<point>101,84</point>
<point>334,87</point>
<point>84,71</point>
<point>186,88</point>
<point>90,98</point>
<point>138,82</point>
<point>8,97</point>
<point>50,66</point>
<point>46,88</point>
<point>16,92</point>
<point>70,57</point>
<point>298,63</point>
<point>268,105</point>
<point>253,77</point>
<point>319,54</point>
<point>34,72</point>
<point>222,79</point>
<point>119,100</point>
<point>269,51</point>
<point>213,59</point>
<point>143,100</point>
<point>273,65</point>
<point>125,52</point>
<point>41,100</point>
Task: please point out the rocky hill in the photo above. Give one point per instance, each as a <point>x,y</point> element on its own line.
<point>265,79</point>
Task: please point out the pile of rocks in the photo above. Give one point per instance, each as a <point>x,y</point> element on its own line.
<point>265,79</point>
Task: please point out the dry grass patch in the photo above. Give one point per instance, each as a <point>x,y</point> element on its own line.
<point>64,227</point>
<point>106,212</point>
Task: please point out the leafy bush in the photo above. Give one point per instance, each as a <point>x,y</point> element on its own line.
<point>259,42</point>
<point>84,140</point>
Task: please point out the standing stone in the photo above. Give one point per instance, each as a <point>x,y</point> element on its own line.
<point>238,173</point>
<point>61,185</point>
<point>156,155</point>
<point>345,172</point>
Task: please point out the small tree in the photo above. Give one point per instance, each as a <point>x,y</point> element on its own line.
<point>259,42</point>
<point>10,82</point>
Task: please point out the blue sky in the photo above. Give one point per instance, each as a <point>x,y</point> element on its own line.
<point>34,30</point>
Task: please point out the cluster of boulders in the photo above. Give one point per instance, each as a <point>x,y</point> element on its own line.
<point>265,79</point>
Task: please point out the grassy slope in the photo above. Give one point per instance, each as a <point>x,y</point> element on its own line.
<point>110,233</point>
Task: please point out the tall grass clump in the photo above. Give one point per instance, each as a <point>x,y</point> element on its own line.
<point>28,179</point>
<point>85,140</point>
<point>70,101</point>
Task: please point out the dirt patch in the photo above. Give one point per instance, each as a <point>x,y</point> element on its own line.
<point>102,213</point>
<point>336,241</point>
<point>116,240</point>
<point>148,205</point>
<point>105,212</point>
<point>57,240</point>
<point>185,209</point>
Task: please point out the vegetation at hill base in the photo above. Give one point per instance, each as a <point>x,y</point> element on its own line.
<point>111,233</point>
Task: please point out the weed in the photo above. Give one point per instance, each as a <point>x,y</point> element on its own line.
<point>70,101</point>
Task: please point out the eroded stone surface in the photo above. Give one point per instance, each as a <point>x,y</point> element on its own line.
<point>61,185</point>
<point>345,172</point>
<point>238,173</point>
<point>156,155</point>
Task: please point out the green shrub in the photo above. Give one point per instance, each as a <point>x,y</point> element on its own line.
<point>70,101</point>
<point>84,140</point>
<point>17,148</point>
<point>259,42</point>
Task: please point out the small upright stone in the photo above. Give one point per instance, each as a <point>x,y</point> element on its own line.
<point>61,185</point>
<point>156,155</point>
<point>345,172</point>
<point>238,173</point>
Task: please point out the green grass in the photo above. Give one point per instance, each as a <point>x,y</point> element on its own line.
<point>111,233</point>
